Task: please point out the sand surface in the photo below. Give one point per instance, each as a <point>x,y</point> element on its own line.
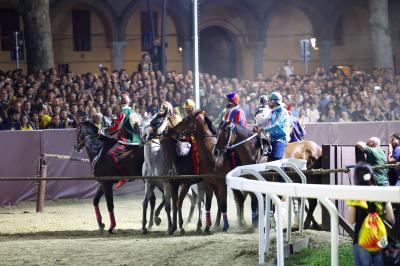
<point>66,234</point>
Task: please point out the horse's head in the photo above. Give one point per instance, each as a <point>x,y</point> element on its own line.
<point>84,130</point>
<point>197,124</point>
<point>226,136</point>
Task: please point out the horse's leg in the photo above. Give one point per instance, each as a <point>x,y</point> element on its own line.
<point>218,217</point>
<point>168,195</point>
<point>193,199</point>
<point>296,210</point>
<point>177,208</point>
<point>310,218</point>
<point>149,189</point>
<point>108,193</point>
<point>209,194</point>
<point>222,195</point>
<point>239,200</point>
<point>157,219</point>
<point>96,200</point>
<point>254,210</point>
<point>200,199</point>
<point>152,207</point>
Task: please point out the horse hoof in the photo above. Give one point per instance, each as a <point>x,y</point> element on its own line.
<point>157,221</point>
<point>150,225</point>
<point>101,228</point>
<point>144,231</point>
<point>198,230</point>
<point>317,227</point>
<point>110,231</point>
<point>225,229</point>
<point>207,231</point>
<point>182,232</point>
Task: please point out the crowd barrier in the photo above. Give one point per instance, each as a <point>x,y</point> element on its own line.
<point>21,152</point>
<point>321,192</point>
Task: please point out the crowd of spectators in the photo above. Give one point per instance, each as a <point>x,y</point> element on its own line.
<point>50,100</point>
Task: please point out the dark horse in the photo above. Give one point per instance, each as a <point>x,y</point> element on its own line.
<point>199,126</point>
<point>249,152</point>
<point>97,146</point>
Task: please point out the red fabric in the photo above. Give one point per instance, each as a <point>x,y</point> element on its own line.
<point>98,214</point>
<point>233,159</point>
<point>208,218</point>
<point>114,157</point>
<point>195,156</point>
<point>111,130</point>
<point>112,221</point>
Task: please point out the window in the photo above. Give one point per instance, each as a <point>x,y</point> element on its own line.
<point>9,22</point>
<point>339,32</point>
<point>81,30</point>
<point>145,28</point>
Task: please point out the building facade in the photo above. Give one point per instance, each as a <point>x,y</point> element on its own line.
<point>238,38</point>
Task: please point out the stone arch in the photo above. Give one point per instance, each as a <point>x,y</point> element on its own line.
<point>287,25</point>
<point>233,33</point>
<point>177,13</point>
<point>218,52</point>
<point>103,10</point>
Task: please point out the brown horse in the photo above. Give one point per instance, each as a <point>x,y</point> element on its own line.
<point>199,126</point>
<point>249,152</point>
<point>97,146</point>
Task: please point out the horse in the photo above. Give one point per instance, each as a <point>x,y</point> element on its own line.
<point>200,128</point>
<point>97,146</point>
<point>249,152</point>
<point>161,158</point>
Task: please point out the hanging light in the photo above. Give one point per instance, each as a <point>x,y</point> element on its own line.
<point>314,43</point>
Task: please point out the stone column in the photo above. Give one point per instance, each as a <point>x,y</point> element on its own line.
<point>187,55</point>
<point>258,57</point>
<point>38,39</point>
<point>380,33</point>
<point>117,55</point>
<point>325,47</point>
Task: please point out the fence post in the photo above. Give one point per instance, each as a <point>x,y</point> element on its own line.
<point>41,186</point>
<point>326,179</point>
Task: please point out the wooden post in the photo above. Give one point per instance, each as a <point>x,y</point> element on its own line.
<point>326,179</point>
<point>41,186</point>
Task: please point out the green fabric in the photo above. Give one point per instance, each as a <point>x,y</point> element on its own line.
<point>131,134</point>
<point>375,156</point>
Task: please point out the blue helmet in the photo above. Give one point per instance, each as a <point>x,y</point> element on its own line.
<point>276,97</point>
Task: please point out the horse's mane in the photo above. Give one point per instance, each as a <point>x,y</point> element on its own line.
<point>207,120</point>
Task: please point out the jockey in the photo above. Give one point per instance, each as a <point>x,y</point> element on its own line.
<point>235,114</point>
<point>263,112</point>
<point>189,106</point>
<point>127,134</point>
<point>277,126</point>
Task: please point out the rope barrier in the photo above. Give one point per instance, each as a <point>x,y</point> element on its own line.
<point>182,177</point>
<point>65,157</point>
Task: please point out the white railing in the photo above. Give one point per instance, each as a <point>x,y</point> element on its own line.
<point>321,192</point>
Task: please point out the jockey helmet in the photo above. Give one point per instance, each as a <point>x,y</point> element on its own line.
<point>276,97</point>
<point>125,99</point>
<point>166,107</point>
<point>263,99</point>
<point>189,104</point>
<point>233,97</point>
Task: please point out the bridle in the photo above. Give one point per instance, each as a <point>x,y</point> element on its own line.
<point>192,125</point>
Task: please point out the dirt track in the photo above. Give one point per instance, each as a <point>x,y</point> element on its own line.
<point>66,234</point>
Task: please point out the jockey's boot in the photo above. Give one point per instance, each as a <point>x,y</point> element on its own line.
<point>121,171</point>
<point>120,183</point>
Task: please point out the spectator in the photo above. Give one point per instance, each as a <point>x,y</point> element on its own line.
<point>55,122</point>
<point>25,125</point>
<point>12,122</point>
<point>394,155</point>
<point>358,211</point>
<point>375,157</point>
<point>145,63</point>
<point>288,68</point>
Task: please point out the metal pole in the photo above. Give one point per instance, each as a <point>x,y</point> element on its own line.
<point>41,187</point>
<point>153,29</point>
<point>16,33</point>
<point>196,53</point>
<point>163,31</point>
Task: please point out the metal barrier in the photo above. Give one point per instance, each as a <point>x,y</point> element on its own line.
<point>321,192</point>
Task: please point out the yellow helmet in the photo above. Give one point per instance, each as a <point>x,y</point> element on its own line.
<point>189,104</point>
<point>166,107</point>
